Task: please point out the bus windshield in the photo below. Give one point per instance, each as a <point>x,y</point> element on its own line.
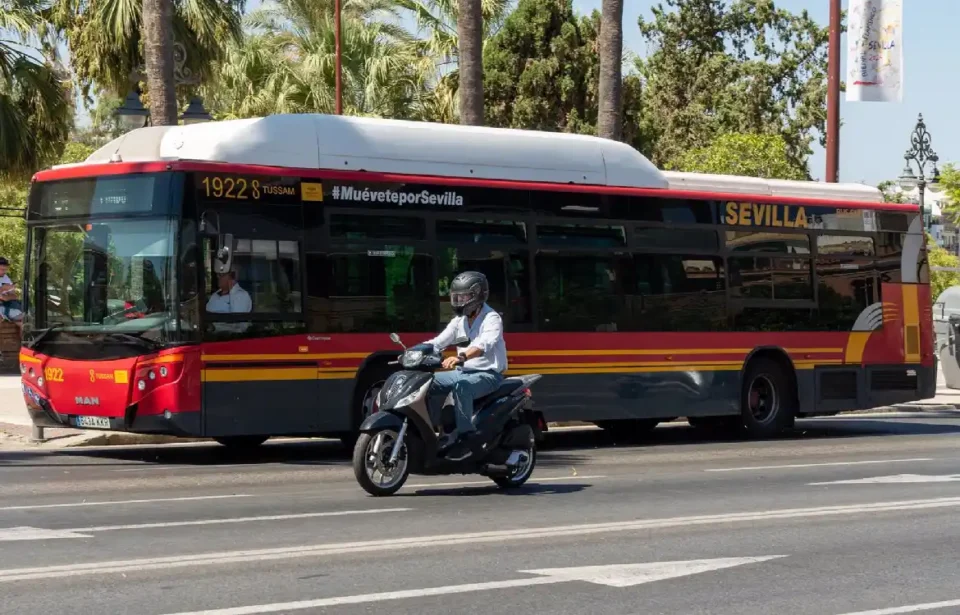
<point>105,276</point>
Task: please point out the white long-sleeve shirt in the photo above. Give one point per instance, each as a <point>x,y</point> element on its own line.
<point>236,301</point>
<point>486,334</point>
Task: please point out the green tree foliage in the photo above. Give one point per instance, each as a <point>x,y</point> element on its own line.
<point>35,109</point>
<point>286,64</point>
<point>890,193</point>
<point>742,154</point>
<point>541,72</point>
<point>106,43</point>
<point>739,66</point>
<point>13,200</point>
<point>941,280</point>
<point>950,185</point>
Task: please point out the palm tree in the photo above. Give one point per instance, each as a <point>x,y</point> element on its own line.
<point>470,35</point>
<point>107,44</point>
<point>440,45</point>
<point>158,52</point>
<point>287,64</point>
<point>609,123</point>
<point>35,108</point>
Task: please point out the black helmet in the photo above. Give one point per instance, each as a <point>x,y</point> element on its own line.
<point>468,292</point>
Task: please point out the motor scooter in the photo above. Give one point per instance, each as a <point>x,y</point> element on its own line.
<point>403,436</point>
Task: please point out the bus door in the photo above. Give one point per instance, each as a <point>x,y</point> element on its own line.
<point>257,380</point>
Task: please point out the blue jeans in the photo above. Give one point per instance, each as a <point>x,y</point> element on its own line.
<point>7,306</point>
<point>466,387</point>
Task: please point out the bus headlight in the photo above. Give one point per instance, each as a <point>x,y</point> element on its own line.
<point>142,385</point>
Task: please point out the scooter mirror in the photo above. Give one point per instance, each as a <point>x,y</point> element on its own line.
<point>394,338</point>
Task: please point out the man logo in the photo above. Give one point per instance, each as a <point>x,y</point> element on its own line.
<point>86,401</point>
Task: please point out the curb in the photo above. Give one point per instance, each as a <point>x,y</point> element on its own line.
<point>81,439</point>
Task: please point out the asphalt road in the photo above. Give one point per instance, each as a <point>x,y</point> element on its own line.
<point>849,516</point>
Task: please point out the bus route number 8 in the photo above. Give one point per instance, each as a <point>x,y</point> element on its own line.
<point>231,188</point>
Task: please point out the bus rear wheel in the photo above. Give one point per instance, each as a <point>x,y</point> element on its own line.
<point>768,403</point>
<point>242,443</point>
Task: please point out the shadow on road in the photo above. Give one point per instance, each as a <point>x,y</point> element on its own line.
<point>559,449</point>
<point>530,489</point>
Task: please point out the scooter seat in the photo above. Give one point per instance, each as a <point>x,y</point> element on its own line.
<point>508,386</point>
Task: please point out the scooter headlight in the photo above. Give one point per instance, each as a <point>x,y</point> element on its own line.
<point>411,358</point>
<point>413,397</point>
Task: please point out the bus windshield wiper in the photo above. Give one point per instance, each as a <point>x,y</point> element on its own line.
<point>38,338</point>
<point>129,337</point>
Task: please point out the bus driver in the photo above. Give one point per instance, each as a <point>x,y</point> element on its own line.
<point>229,298</point>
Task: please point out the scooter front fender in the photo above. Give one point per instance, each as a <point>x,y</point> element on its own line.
<point>381,420</point>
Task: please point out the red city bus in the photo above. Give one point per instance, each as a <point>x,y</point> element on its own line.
<point>640,295</point>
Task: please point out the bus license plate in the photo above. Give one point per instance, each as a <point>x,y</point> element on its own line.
<point>96,422</point>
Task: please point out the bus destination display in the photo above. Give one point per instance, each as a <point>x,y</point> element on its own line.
<point>247,188</point>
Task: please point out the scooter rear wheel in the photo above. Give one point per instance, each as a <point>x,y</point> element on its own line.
<point>522,474</point>
<point>371,457</point>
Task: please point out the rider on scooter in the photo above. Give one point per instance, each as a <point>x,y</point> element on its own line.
<point>478,369</point>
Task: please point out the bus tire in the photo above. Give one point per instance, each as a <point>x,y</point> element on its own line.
<point>768,399</point>
<point>241,443</point>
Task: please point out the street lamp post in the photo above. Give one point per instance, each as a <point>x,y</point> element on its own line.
<point>133,114</point>
<point>921,153</point>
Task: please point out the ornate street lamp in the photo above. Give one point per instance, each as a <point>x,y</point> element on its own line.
<point>132,114</point>
<point>921,153</point>
<point>195,113</point>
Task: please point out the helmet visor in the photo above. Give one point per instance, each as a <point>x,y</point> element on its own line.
<point>461,298</point>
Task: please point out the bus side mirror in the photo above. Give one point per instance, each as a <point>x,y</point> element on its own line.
<point>225,254</point>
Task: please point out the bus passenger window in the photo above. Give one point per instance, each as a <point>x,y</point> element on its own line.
<point>360,290</point>
<point>506,273</point>
<point>679,293</point>
<point>584,292</point>
<point>846,286</point>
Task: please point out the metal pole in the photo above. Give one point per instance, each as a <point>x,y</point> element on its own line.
<point>833,94</point>
<point>338,69</point>
<point>36,434</point>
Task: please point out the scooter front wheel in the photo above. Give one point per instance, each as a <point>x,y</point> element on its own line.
<point>521,473</point>
<point>371,463</point>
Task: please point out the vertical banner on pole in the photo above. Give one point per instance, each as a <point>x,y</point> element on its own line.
<point>875,51</point>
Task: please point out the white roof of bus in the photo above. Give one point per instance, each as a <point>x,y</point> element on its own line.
<point>703,182</point>
<point>314,141</point>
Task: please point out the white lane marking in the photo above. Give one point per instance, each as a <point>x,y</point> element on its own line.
<point>895,479</point>
<point>144,526</point>
<point>8,534</point>
<point>123,502</point>
<point>818,465</point>
<point>487,482</point>
<point>422,542</point>
<point>618,575</point>
<point>915,608</point>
